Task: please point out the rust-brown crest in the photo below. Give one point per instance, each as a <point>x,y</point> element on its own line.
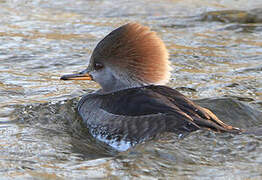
<point>137,51</point>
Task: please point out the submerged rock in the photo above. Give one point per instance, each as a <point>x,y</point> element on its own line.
<point>234,16</point>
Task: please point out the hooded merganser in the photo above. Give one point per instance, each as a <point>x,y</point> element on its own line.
<point>131,65</point>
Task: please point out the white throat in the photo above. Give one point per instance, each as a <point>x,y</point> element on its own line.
<point>112,80</point>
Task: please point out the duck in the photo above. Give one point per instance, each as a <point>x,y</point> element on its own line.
<point>133,105</point>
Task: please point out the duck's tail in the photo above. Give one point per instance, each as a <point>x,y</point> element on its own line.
<point>211,121</point>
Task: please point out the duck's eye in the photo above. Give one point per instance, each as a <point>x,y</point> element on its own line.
<point>98,66</point>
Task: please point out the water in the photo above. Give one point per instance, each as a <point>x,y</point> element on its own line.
<point>215,49</point>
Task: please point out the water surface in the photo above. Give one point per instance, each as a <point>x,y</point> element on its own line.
<point>215,48</point>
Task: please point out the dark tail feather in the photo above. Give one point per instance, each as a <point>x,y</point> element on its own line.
<point>203,123</point>
<point>212,122</point>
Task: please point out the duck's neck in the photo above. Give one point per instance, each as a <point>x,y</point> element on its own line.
<point>118,86</point>
<point>115,80</point>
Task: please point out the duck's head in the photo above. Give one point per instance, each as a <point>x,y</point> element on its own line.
<point>130,56</point>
